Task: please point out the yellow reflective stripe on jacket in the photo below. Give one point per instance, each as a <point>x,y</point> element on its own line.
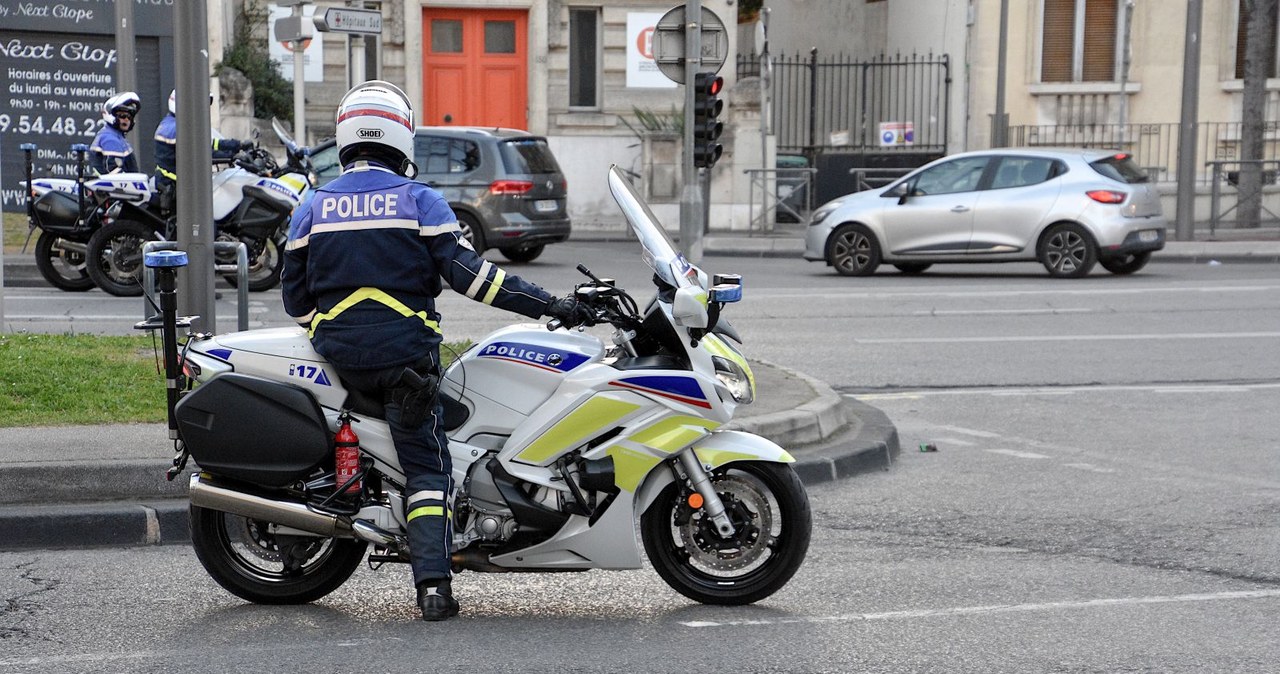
<point>426,511</point>
<point>378,296</point>
<point>168,174</point>
<point>494,286</point>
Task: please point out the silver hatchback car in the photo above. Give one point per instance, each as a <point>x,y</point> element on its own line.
<point>1069,209</point>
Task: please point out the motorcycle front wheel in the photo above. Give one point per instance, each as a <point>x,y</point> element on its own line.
<point>64,269</point>
<point>251,562</point>
<point>770,513</point>
<point>115,257</point>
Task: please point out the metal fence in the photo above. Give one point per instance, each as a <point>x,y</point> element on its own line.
<point>824,103</point>
<point>1154,146</point>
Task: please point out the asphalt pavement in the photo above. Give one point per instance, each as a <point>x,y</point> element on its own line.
<point>75,486</point>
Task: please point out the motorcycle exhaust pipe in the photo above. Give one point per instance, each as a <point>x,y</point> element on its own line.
<point>285,513</point>
<point>71,246</point>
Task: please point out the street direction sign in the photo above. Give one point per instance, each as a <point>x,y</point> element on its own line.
<point>668,42</point>
<point>348,20</point>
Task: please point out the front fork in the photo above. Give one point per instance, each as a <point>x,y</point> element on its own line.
<point>700,480</point>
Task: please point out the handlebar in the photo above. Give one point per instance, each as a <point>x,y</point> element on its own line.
<point>606,301</point>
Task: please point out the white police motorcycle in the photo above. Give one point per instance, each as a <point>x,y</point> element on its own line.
<point>560,444</point>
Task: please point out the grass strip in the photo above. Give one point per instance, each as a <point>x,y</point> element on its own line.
<point>67,380</point>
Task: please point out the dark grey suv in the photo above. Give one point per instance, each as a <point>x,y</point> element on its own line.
<point>504,185</point>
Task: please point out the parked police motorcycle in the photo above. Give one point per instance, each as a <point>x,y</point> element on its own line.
<point>559,442</point>
<point>68,211</point>
<point>253,200</point>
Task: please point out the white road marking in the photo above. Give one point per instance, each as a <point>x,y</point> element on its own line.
<point>1191,388</point>
<point>1018,453</point>
<point>998,608</point>
<point>933,294</point>
<point>1002,312</point>
<point>1066,338</point>
<point>1089,467</point>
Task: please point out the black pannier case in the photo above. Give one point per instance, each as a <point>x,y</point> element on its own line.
<point>253,429</point>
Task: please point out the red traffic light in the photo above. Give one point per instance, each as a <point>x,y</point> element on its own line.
<point>709,84</point>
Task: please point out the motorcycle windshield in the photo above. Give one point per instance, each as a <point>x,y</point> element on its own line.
<point>659,252</point>
<point>283,135</point>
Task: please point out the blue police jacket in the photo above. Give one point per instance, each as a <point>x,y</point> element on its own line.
<point>364,262</point>
<point>167,147</point>
<point>111,152</point>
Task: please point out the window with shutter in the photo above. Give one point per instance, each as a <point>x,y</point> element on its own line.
<point>1059,38</point>
<point>1099,62</point>
<point>1079,40</point>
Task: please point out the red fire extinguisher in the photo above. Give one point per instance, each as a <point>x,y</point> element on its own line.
<point>346,454</point>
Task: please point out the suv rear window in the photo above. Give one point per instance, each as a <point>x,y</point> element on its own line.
<point>528,155</point>
<point>1120,167</point>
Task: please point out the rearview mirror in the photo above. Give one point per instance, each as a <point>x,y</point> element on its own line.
<point>689,307</point>
<point>900,191</point>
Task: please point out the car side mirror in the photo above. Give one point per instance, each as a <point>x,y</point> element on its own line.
<point>900,191</point>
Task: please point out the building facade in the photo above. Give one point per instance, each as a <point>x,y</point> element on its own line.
<point>579,72</point>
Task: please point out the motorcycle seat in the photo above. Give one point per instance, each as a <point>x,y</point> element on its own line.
<point>366,405</point>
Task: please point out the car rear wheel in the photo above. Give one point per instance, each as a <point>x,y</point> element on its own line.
<point>853,251</point>
<point>913,267</point>
<point>471,231</point>
<point>522,254</point>
<point>1067,251</point>
<point>1125,264</point>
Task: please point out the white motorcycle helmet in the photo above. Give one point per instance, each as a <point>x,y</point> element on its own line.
<point>376,118</point>
<point>173,101</point>
<point>127,101</point>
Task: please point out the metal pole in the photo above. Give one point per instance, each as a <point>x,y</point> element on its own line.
<point>1185,224</point>
<point>195,231</point>
<point>126,62</point>
<point>691,209</point>
<point>358,73</point>
<point>299,96</point>
<point>1125,63</point>
<point>999,125</point>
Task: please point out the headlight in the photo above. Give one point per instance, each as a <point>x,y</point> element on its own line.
<point>822,213</point>
<point>733,380</point>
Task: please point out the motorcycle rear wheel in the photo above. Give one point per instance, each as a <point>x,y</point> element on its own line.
<point>115,257</point>
<point>63,269</point>
<point>246,559</point>
<point>770,513</point>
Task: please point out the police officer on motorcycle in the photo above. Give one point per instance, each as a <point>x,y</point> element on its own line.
<point>363,265</point>
<point>110,151</point>
<point>167,153</point>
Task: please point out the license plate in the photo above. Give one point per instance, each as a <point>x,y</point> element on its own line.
<point>545,205</point>
<point>1148,235</point>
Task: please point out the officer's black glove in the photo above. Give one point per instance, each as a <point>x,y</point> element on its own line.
<point>247,145</point>
<point>570,312</point>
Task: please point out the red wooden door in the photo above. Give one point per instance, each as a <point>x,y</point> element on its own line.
<point>475,67</point>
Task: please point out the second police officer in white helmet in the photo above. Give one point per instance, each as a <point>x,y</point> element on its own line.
<point>166,139</point>
<point>110,151</point>
<point>365,260</point>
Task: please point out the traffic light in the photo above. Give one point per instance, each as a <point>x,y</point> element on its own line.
<point>707,106</point>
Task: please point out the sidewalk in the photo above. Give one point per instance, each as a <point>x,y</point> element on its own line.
<point>78,486</point>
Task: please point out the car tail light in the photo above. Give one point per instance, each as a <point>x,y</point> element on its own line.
<point>1107,196</point>
<point>510,186</point>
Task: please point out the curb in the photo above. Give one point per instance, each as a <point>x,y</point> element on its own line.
<point>856,438</point>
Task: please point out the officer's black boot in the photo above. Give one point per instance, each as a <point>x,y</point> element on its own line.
<point>435,598</point>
